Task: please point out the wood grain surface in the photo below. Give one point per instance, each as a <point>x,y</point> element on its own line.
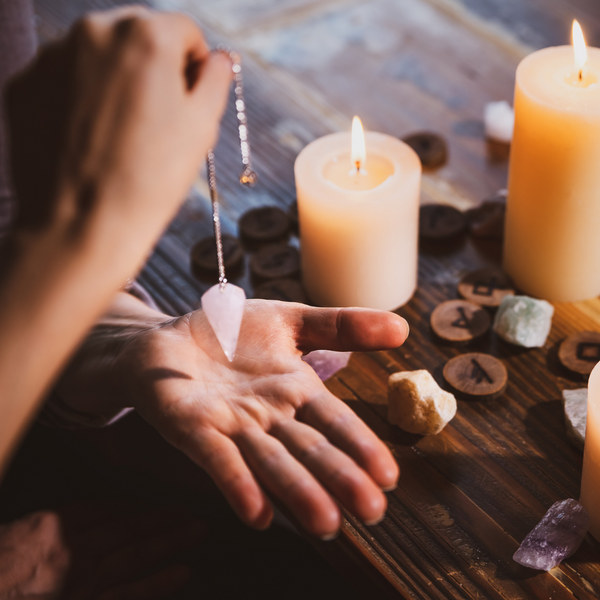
<point>469,495</point>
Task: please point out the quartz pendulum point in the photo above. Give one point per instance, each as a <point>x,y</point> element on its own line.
<point>223,306</point>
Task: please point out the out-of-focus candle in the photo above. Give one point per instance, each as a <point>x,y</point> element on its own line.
<point>358,208</point>
<point>590,481</point>
<point>552,236</point>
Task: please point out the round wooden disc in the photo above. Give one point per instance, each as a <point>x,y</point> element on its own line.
<point>276,262</point>
<point>486,287</point>
<point>459,321</point>
<point>430,148</point>
<point>286,290</point>
<point>476,376</point>
<point>292,214</point>
<point>204,253</point>
<point>487,220</point>
<point>580,352</point>
<point>265,224</point>
<point>440,221</point>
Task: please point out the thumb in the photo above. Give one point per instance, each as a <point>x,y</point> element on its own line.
<point>345,329</point>
<point>209,95</point>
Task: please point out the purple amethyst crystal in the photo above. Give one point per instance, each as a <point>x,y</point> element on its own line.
<point>327,362</point>
<point>555,537</point>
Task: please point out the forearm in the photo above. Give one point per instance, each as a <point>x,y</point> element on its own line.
<point>95,381</point>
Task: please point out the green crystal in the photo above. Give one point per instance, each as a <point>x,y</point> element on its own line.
<point>524,321</point>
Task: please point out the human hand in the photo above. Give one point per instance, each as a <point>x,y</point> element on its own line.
<point>86,552</point>
<point>109,126</point>
<point>266,421</point>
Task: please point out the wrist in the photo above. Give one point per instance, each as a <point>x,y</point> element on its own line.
<point>102,377</point>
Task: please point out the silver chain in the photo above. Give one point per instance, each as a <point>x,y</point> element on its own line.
<point>214,199</point>
<point>248,176</point>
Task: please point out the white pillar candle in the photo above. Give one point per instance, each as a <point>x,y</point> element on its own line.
<point>359,227</point>
<point>552,241</point>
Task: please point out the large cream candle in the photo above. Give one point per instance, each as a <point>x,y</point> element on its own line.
<point>359,226</point>
<point>552,239</point>
<point>590,481</point>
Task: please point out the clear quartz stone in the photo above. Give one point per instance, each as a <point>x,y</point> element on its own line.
<point>224,308</point>
<point>556,537</point>
<point>575,403</point>
<point>524,321</point>
<point>327,362</point>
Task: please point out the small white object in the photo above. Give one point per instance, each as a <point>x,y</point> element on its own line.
<point>417,404</point>
<point>575,403</point>
<point>499,119</point>
<point>223,306</point>
<point>524,321</point>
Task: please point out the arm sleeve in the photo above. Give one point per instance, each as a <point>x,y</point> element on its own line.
<point>18,44</point>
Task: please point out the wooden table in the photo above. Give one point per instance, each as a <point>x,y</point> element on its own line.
<point>468,496</point>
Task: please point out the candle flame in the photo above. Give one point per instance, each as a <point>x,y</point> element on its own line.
<point>580,49</point>
<point>359,152</point>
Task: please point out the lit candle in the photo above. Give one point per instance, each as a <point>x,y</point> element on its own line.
<point>552,239</point>
<point>358,207</point>
<point>590,481</point>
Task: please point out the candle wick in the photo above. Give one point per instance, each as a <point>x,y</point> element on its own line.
<point>358,166</point>
<point>581,75</point>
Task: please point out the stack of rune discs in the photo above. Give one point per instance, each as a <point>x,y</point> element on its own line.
<point>274,264</point>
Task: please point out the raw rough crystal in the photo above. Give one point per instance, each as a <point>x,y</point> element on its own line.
<point>224,308</point>
<point>499,120</point>
<point>417,404</point>
<point>327,362</point>
<point>524,321</point>
<point>575,403</point>
<point>555,537</point>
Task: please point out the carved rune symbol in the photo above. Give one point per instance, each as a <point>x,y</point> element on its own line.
<point>588,352</point>
<point>462,321</point>
<point>479,373</point>
<point>485,288</point>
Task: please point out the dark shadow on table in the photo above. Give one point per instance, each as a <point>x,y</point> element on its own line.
<point>130,461</point>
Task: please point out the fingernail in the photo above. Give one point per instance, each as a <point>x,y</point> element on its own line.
<point>391,488</point>
<point>407,326</point>
<point>330,536</point>
<point>375,521</point>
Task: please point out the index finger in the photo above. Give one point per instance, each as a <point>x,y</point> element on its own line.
<point>169,31</point>
<point>185,35</point>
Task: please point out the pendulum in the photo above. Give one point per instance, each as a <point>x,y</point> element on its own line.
<point>223,303</point>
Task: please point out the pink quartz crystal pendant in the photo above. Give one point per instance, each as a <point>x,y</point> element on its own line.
<point>223,306</point>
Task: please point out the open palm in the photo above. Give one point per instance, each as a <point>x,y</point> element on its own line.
<point>266,420</point>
